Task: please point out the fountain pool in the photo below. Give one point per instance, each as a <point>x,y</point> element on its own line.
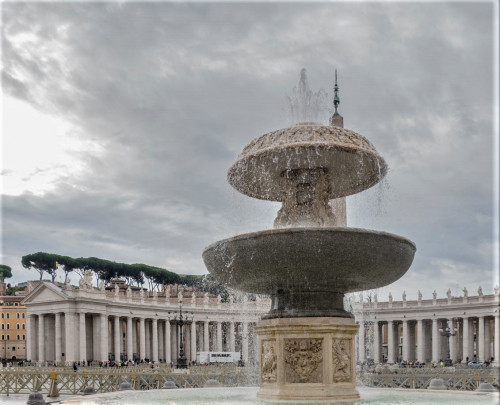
<point>246,395</point>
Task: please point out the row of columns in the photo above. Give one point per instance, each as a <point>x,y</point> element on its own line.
<point>416,345</point>
<point>153,338</point>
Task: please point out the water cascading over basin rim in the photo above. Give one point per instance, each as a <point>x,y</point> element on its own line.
<point>310,259</point>
<point>352,159</point>
<point>315,259</point>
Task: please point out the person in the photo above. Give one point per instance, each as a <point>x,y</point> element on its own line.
<point>75,367</point>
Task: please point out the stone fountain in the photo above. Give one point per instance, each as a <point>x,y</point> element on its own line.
<point>310,259</point>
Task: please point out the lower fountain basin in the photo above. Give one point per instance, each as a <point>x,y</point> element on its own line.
<point>247,396</point>
<point>307,270</point>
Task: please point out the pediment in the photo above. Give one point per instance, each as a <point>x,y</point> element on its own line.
<point>45,292</point>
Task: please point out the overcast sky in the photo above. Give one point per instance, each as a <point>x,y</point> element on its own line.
<point>121,120</point>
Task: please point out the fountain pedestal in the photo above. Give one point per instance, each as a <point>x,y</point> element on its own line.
<point>307,358</point>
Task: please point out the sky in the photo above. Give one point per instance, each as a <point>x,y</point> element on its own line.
<point>120,121</point>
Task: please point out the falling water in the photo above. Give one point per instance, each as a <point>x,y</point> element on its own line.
<point>304,105</point>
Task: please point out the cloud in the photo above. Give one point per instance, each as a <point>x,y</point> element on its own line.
<point>161,97</point>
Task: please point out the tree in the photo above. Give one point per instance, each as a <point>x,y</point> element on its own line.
<point>42,262</point>
<point>68,263</point>
<point>5,272</point>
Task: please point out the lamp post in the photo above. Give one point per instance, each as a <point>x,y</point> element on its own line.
<point>186,319</point>
<point>447,332</point>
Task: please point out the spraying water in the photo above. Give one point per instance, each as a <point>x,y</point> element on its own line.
<point>304,105</point>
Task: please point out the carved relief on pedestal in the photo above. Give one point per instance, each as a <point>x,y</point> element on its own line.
<point>268,361</point>
<point>341,360</point>
<point>304,360</point>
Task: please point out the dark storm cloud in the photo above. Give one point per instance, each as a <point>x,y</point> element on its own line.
<point>172,92</point>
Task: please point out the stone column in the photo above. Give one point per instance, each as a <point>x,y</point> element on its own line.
<point>130,346</point>
<point>244,342</point>
<point>420,341</point>
<point>361,341</point>
<point>412,353</point>
<point>187,343</point>
<point>83,338</point>
<point>206,337</point>
<point>58,339</point>
<point>487,340</point>
<point>166,339</point>
<point>193,341</point>
<point>41,338</point>
<point>406,341</point>
<point>232,342</point>
<point>155,340</point>
<point>435,341</point>
<point>69,333</point>
<point>496,345</point>
<point>161,341</point>
<point>453,340</point>
<point>390,342</point>
<point>465,340</point>
<point>147,338</point>
<point>135,337</point>
<point>104,338</point>
<point>142,338</point>
<point>460,337</point>
<point>29,337</point>
<point>175,346</point>
<point>219,336</point>
<point>480,338</point>
<point>376,342</point>
<point>117,339</point>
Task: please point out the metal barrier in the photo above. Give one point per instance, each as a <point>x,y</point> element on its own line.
<point>67,381</point>
<point>461,381</point>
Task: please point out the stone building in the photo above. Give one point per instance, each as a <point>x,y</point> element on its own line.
<point>67,324</point>
<point>12,326</point>
<point>408,330</point>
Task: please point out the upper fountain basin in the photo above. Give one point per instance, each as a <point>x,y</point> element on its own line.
<point>351,160</point>
<point>317,259</point>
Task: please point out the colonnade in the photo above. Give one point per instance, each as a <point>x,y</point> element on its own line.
<point>420,340</point>
<point>410,330</point>
<point>67,337</point>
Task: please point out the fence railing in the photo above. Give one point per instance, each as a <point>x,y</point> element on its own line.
<point>67,381</point>
<point>454,381</point>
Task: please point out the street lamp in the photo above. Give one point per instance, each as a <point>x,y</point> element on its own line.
<point>187,319</point>
<point>447,332</point>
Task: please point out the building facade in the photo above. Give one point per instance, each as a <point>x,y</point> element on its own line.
<point>68,324</point>
<point>64,324</point>
<point>404,330</point>
<point>12,327</point>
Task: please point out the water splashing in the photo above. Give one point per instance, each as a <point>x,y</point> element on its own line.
<point>304,105</point>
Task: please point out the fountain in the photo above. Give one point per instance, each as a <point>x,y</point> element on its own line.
<point>310,259</point>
